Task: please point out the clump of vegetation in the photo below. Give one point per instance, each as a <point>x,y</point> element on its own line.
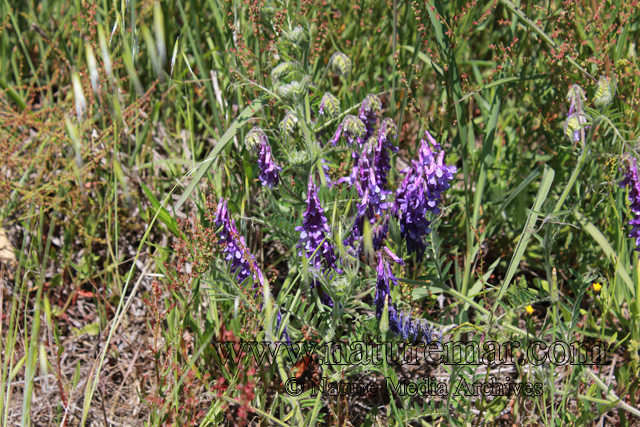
<point>178,178</point>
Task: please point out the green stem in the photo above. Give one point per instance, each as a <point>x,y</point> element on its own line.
<point>576,171</point>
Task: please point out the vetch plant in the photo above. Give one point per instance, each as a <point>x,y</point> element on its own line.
<point>257,141</point>
<point>577,119</point>
<point>315,235</point>
<point>630,180</point>
<point>421,192</point>
<point>234,247</point>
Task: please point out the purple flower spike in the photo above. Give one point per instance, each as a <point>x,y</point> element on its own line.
<point>631,180</point>
<point>368,113</point>
<point>369,174</point>
<point>315,234</point>
<point>269,171</point>
<point>382,161</point>
<point>383,290</point>
<point>242,261</point>
<point>372,194</point>
<point>420,193</point>
<point>379,234</point>
<point>257,141</point>
<point>400,324</point>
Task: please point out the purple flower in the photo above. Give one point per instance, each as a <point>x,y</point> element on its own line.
<point>380,233</point>
<point>257,141</point>
<point>269,171</point>
<point>368,113</point>
<point>385,276</point>
<point>337,135</point>
<point>382,162</point>
<point>370,174</point>
<point>410,329</point>
<point>315,234</point>
<point>631,180</point>
<point>325,168</point>
<point>372,194</point>
<point>400,324</point>
<point>420,193</point>
<point>242,261</point>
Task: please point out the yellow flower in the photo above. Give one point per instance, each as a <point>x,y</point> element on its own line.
<point>529,310</point>
<point>597,287</point>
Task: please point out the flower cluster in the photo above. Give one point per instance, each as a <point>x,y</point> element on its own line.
<point>269,171</point>
<point>372,193</point>
<point>385,277</point>
<point>315,234</point>
<point>370,174</point>
<point>411,329</point>
<point>420,193</point>
<point>631,180</point>
<point>400,324</point>
<point>257,141</point>
<point>242,261</point>
<point>368,113</point>
<point>382,163</point>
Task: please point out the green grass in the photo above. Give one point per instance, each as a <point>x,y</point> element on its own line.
<point>123,124</point>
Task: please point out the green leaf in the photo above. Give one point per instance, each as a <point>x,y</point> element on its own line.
<point>164,214</point>
<point>545,186</point>
<point>486,153</point>
<point>91,329</point>
<point>608,250</point>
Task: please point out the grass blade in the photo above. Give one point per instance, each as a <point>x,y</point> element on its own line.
<point>545,186</point>
<point>607,249</point>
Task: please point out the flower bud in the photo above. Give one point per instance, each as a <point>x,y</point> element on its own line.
<point>331,104</point>
<point>573,125</point>
<point>298,158</point>
<point>340,63</point>
<point>353,126</point>
<point>388,128</point>
<point>284,73</point>
<point>576,99</point>
<point>605,92</point>
<point>289,123</point>
<point>255,139</point>
<point>371,105</point>
<point>295,90</point>
<point>298,36</point>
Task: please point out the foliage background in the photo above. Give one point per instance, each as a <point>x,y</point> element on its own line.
<point>109,303</point>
